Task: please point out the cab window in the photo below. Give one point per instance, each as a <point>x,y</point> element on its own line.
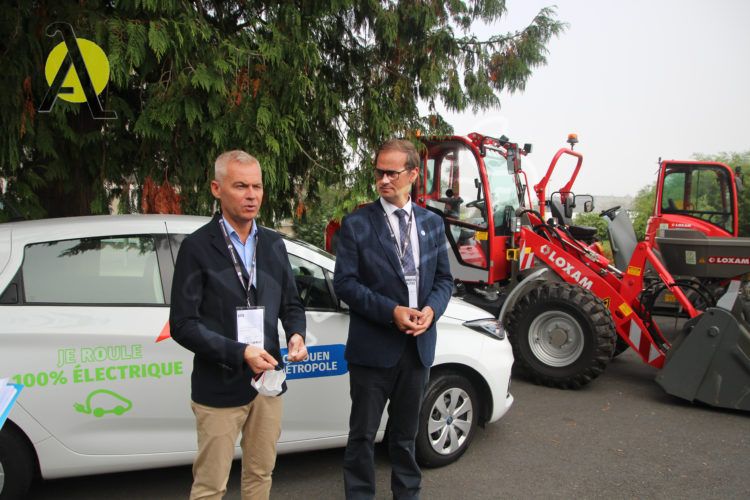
<point>454,185</point>
<point>454,189</point>
<point>110,270</point>
<point>702,192</point>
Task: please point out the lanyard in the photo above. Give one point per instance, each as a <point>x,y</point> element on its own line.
<point>401,251</point>
<point>236,260</point>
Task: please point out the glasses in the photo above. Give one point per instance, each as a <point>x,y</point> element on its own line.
<point>392,174</point>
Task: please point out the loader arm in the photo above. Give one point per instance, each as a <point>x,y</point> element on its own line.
<point>584,271</point>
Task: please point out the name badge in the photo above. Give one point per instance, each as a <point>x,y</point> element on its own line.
<point>250,326</point>
<point>412,281</point>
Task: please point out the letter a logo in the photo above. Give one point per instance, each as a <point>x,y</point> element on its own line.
<point>77,70</point>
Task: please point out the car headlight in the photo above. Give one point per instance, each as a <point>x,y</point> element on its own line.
<point>490,327</point>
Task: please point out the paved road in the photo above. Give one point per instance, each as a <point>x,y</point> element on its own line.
<point>620,437</point>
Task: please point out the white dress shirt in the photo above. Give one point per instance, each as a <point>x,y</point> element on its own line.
<point>390,211</point>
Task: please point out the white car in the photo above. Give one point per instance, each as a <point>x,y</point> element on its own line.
<point>84,304</point>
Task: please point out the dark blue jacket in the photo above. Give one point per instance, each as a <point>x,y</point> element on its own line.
<point>205,294</point>
<point>369,279</point>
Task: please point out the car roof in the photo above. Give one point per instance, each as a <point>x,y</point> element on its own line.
<point>56,228</point>
<point>61,228</point>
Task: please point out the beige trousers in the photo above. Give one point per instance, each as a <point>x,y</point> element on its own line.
<point>218,429</point>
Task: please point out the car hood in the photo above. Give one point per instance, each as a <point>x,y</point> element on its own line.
<point>461,310</point>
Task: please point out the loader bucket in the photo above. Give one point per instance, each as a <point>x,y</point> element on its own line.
<point>710,361</point>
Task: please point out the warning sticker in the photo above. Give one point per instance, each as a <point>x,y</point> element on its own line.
<point>690,257</point>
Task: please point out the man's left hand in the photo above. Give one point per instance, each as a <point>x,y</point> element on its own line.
<point>297,349</point>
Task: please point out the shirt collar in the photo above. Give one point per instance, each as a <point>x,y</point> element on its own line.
<point>390,207</point>
<point>233,234</point>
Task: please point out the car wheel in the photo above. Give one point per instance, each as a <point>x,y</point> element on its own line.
<point>16,464</point>
<point>447,420</point>
<point>562,335</point>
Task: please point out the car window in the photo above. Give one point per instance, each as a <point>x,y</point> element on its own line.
<point>109,270</point>
<point>311,284</point>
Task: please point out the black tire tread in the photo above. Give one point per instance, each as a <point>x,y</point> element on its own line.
<point>18,462</point>
<point>571,298</point>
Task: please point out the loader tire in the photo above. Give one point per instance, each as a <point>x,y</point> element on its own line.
<point>562,335</point>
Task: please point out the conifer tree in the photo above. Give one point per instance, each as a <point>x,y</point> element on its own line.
<point>310,87</point>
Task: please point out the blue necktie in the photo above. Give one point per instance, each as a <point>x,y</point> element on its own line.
<point>408,259</point>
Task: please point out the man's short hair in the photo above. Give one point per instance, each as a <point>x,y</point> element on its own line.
<point>404,146</point>
<point>224,159</point>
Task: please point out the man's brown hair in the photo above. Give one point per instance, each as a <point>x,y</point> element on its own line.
<point>404,146</point>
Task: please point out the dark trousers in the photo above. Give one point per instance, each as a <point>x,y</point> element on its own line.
<point>369,389</point>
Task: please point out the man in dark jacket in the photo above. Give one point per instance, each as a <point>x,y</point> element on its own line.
<point>392,270</point>
<point>232,283</point>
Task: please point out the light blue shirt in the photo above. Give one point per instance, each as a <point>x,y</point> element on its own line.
<point>246,250</point>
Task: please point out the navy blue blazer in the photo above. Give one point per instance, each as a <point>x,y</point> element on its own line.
<point>202,317</point>
<point>369,278</point>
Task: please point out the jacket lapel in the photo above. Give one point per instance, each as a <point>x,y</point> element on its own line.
<point>260,261</point>
<point>427,249</point>
<point>383,235</point>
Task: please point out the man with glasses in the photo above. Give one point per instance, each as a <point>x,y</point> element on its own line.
<point>392,270</point>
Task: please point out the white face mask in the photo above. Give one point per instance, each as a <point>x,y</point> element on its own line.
<point>269,382</point>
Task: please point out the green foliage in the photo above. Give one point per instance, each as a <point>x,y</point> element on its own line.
<point>643,208</point>
<point>741,160</point>
<point>592,219</point>
<point>311,225</point>
<point>309,88</point>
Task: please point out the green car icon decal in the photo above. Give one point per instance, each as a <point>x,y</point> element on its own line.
<point>108,402</point>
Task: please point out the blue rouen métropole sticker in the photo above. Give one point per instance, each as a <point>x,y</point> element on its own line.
<point>322,361</point>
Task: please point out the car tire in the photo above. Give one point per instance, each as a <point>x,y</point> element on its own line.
<point>562,335</point>
<point>447,420</point>
<point>16,464</point>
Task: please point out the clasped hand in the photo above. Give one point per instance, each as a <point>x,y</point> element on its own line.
<point>413,321</point>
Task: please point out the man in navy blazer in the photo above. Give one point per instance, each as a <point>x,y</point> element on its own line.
<point>392,270</point>
<point>224,270</point>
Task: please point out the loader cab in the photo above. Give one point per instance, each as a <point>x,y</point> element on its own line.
<point>476,196</point>
<point>695,195</point>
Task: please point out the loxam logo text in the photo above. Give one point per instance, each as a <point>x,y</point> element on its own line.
<point>729,260</point>
<point>566,267</point>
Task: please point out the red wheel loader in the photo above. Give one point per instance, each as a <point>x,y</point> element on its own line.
<point>563,303</point>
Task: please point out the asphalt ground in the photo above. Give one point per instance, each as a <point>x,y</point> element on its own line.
<point>619,437</point>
